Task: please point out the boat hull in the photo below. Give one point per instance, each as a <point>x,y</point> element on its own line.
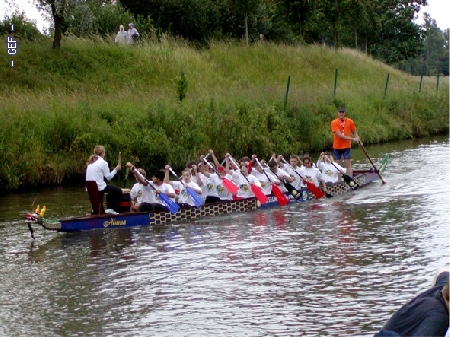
<point>123,220</point>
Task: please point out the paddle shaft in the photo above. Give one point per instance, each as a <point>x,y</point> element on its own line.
<point>198,201</point>
<point>262,198</point>
<point>263,170</point>
<point>345,175</point>
<point>209,164</point>
<point>134,169</point>
<point>239,168</point>
<point>181,181</point>
<point>293,169</point>
<point>313,188</point>
<point>371,162</point>
<point>281,198</point>
<point>126,178</point>
<point>226,183</point>
<point>167,198</point>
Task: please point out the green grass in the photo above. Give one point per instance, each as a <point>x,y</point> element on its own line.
<point>57,105</point>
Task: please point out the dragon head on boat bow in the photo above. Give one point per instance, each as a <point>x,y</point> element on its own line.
<point>35,218</point>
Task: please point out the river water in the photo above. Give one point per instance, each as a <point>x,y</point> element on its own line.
<point>331,267</point>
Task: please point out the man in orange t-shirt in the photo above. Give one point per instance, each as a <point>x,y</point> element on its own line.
<point>344,131</point>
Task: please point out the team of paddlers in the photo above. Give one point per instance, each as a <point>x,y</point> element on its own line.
<point>208,181</point>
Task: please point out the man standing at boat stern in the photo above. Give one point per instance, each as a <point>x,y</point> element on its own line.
<point>424,315</point>
<point>344,132</point>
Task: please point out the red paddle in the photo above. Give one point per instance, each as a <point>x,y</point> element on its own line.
<point>232,188</point>
<point>262,198</point>
<point>281,198</point>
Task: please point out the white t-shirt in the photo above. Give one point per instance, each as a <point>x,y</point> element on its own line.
<point>297,182</point>
<point>209,185</point>
<point>266,184</point>
<point>149,195</point>
<point>136,192</point>
<point>183,196</point>
<point>222,192</point>
<point>280,172</point>
<point>121,37</point>
<point>311,174</point>
<point>329,173</point>
<point>245,191</point>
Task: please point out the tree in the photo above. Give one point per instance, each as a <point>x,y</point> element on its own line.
<point>59,10</point>
<point>434,47</point>
<point>359,23</point>
<point>435,56</point>
<point>245,8</point>
<point>399,37</point>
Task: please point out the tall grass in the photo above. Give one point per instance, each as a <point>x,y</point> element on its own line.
<point>57,105</point>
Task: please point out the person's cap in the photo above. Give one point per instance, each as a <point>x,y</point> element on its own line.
<point>341,109</point>
<point>220,169</point>
<point>131,24</point>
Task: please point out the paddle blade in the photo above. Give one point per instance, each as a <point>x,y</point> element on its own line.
<point>314,190</point>
<point>350,182</point>
<point>198,201</point>
<point>172,205</point>
<point>230,186</point>
<point>384,163</point>
<point>262,198</point>
<point>291,189</point>
<point>281,198</point>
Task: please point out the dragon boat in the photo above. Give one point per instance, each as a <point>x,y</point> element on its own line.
<point>127,219</point>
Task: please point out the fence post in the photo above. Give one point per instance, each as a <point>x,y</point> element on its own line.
<point>437,83</point>
<point>420,85</point>
<point>335,81</point>
<point>386,86</point>
<point>287,91</point>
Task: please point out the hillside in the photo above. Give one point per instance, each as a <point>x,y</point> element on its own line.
<point>57,105</point>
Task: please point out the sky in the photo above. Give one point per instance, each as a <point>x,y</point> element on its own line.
<point>439,10</point>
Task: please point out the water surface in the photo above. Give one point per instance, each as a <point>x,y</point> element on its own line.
<point>333,267</point>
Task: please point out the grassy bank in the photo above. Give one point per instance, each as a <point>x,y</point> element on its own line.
<point>57,105</point>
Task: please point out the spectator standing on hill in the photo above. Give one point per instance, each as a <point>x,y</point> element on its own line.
<point>132,34</point>
<point>344,132</point>
<point>121,36</point>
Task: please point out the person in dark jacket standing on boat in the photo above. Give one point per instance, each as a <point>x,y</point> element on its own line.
<point>98,170</point>
<point>425,315</point>
<point>344,132</point>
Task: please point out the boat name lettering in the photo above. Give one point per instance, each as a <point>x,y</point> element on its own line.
<point>272,199</point>
<point>113,222</point>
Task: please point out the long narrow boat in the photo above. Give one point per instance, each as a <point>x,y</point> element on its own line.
<point>102,221</point>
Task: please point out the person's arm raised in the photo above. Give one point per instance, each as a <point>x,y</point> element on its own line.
<point>216,162</point>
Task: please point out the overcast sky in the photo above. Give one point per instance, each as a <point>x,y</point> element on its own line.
<point>438,10</point>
